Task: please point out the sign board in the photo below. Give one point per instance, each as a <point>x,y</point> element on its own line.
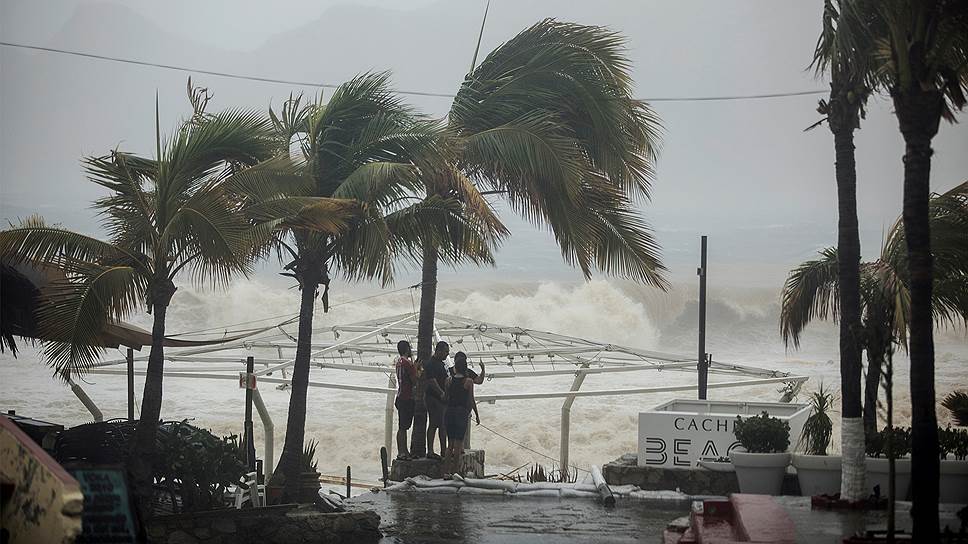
<point>107,513</point>
<point>679,433</point>
<point>247,380</point>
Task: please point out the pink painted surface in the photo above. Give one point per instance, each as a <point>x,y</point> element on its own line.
<point>758,518</point>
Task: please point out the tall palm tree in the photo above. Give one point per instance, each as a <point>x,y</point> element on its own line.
<point>548,121</point>
<point>366,145</point>
<point>923,62</point>
<point>811,290</point>
<point>840,52</point>
<point>165,217</point>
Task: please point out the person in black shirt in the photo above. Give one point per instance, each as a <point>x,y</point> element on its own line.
<point>434,378</point>
<point>460,401</point>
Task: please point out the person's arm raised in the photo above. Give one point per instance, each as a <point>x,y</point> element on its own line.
<point>480,377</point>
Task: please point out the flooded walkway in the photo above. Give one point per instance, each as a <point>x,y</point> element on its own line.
<point>433,517</point>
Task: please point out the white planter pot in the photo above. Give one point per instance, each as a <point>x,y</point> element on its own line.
<point>877,474</point>
<point>760,473</point>
<point>818,474</point>
<point>954,481</point>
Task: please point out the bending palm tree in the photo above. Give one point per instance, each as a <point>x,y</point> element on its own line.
<point>923,56</point>
<point>364,144</point>
<point>548,121</point>
<point>840,52</point>
<point>163,216</point>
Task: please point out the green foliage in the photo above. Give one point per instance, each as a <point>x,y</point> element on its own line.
<point>957,403</point>
<point>196,466</point>
<point>954,442</point>
<point>815,438</point>
<point>163,216</point>
<point>762,433</point>
<point>810,291</point>
<point>876,445</point>
<point>308,461</point>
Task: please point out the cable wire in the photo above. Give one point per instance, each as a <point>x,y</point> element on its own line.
<point>520,445</point>
<point>261,79</point>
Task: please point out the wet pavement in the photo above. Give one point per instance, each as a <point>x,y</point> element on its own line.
<point>446,517</point>
<point>432,517</point>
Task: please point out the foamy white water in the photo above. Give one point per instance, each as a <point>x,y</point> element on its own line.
<point>349,426</point>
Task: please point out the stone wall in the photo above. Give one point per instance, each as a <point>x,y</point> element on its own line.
<point>270,525</point>
<point>472,466</point>
<point>697,481</point>
<point>625,470</point>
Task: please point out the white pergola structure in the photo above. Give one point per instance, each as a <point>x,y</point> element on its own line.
<point>517,351</point>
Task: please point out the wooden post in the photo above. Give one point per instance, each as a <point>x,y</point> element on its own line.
<point>384,454</point>
<point>703,367</point>
<point>348,485</point>
<point>130,358</point>
<point>249,441</point>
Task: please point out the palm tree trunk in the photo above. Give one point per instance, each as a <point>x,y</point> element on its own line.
<point>875,359</point>
<point>425,335</point>
<point>289,463</point>
<point>145,438</point>
<point>919,113</point>
<point>843,120</point>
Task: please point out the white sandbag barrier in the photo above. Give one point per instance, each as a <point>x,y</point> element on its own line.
<point>507,488</point>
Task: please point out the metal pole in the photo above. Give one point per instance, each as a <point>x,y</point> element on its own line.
<point>566,418</point>
<point>703,366</point>
<point>86,401</point>
<point>249,442</point>
<point>268,430</point>
<point>388,418</point>
<point>348,484</point>
<point>130,358</point>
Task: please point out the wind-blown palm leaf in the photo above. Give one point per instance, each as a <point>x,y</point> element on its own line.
<point>810,292</point>
<point>548,119</point>
<point>75,310</point>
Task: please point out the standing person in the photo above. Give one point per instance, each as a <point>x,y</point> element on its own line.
<point>434,380</point>
<point>406,381</point>
<point>477,378</point>
<point>460,402</point>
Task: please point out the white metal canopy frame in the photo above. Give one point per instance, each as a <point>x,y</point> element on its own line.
<point>371,345</point>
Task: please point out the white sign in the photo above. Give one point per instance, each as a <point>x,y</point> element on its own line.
<point>679,433</point>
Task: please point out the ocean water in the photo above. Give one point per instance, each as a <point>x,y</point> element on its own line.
<point>742,328</point>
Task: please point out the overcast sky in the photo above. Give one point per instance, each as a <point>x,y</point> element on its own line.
<point>743,172</point>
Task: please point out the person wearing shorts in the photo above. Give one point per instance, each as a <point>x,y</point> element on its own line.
<point>434,378</point>
<point>404,402</point>
<point>460,395</point>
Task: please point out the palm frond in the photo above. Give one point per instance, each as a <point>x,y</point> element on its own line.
<point>810,292</point>
<point>75,310</point>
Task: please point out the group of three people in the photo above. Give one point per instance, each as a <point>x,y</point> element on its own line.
<point>447,394</point>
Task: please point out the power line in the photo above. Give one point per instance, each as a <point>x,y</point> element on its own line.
<point>412,93</point>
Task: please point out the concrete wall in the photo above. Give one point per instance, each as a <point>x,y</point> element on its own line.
<point>45,502</point>
<point>270,525</point>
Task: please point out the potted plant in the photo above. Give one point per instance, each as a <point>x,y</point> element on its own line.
<point>760,469</point>
<point>953,443</point>
<point>877,462</point>
<point>817,472</point>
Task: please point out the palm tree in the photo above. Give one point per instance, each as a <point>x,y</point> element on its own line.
<point>923,62</point>
<point>846,57</point>
<point>366,145</point>
<point>811,290</point>
<point>548,121</point>
<point>164,217</point>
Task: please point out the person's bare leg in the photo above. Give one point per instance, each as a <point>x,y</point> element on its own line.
<point>402,443</point>
<point>431,436</point>
<point>456,452</point>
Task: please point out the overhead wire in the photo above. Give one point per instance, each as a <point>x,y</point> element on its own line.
<point>262,79</point>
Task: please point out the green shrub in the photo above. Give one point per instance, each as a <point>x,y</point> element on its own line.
<point>815,438</point>
<point>954,442</point>
<point>762,434</point>
<point>876,444</point>
<point>957,404</point>
<point>196,466</point>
